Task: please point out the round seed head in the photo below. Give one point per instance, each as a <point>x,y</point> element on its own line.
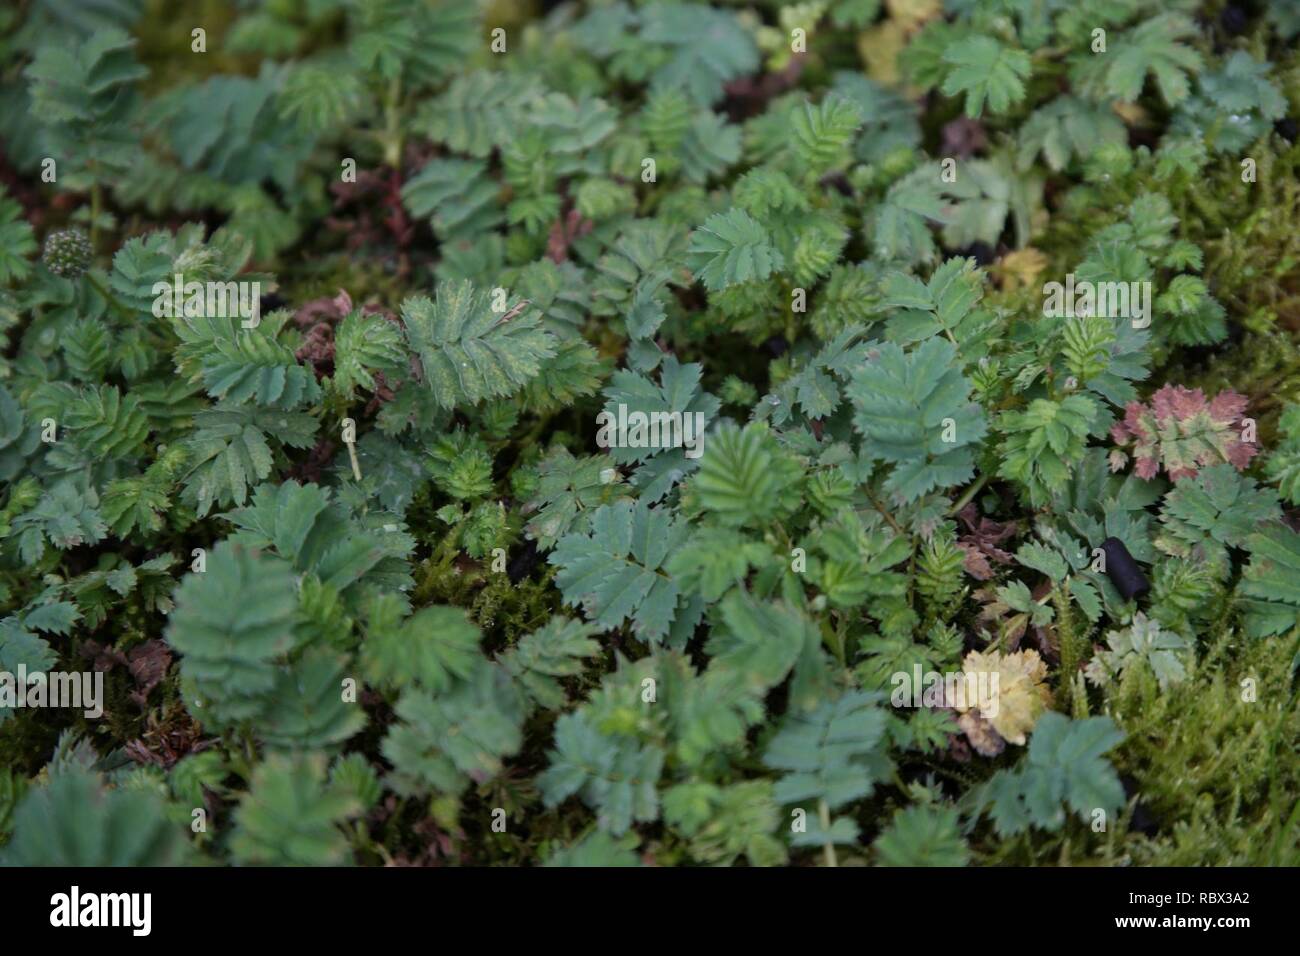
<point>67,253</point>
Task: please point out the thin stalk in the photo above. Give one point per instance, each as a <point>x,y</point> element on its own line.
<point>968,494</point>
<point>352,455</point>
<point>393,123</point>
<point>885,514</point>
<point>96,200</point>
<point>113,301</point>
<point>824,814</point>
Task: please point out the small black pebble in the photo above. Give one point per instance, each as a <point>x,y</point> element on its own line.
<point>1233,20</point>
<point>522,564</point>
<point>1287,129</point>
<point>1123,571</point>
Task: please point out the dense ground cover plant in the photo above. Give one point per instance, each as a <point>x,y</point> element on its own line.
<point>333,332</point>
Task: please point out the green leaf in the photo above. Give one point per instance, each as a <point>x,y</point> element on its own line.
<point>292,816</point>
<point>1216,508</point>
<point>914,411</point>
<point>1153,47</point>
<point>708,48</point>
<point>1045,441</point>
<point>55,618</point>
<point>1044,560</point>
<point>468,351</point>
<point>250,365</point>
<point>945,304</point>
<point>677,392</point>
<point>1065,765</point>
<point>1144,641</point>
<point>229,451</point>
<point>21,645</point>
<point>442,743</point>
<point>573,126</point>
<point>597,849</point>
<point>730,248</point>
<point>64,518</point>
<point>715,560</point>
<point>899,226</point>
<point>854,13</point>
<point>568,491</point>
<point>834,754</point>
<point>73,821</point>
<point>481,111</point>
<point>434,648</point>
<point>365,344</point>
<point>615,776</point>
<point>614,571</point>
<point>307,710</point>
<point>709,148</point>
<point>922,836</point>
<point>228,127</point>
<point>555,650</point>
<point>301,525</point>
<point>107,424</point>
<point>1283,466</point>
<point>135,505</point>
<point>456,195</point>
<point>724,823</point>
<point>88,350</point>
<point>321,96</point>
<point>985,70</point>
<point>822,134</point>
<point>17,243</point>
<point>1270,584</point>
<point>760,642</point>
<point>83,91</point>
<point>420,42</point>
<point>745,479</point>
<point>232,623</point>
<point>1067,128</point>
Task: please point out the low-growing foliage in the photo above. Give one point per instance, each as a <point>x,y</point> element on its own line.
<point>623,433</point>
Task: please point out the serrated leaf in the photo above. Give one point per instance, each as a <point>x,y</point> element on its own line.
<point>467,351</point>
<point>614,571</point>
<point>730,248</point>
<point>986,71</point>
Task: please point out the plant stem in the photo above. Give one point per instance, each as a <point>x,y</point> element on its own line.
<point>96,199</point>
<point>111,299</point>
<point>824,815</point>
<point>392,123</point>
<point>356,465</point>
<point>968,494</point>
<point>885,514</point>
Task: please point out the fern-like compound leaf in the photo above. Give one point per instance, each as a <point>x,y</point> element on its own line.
<point>468,351</point>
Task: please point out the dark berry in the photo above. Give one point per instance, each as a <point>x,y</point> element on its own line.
<point>1287,129</point>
